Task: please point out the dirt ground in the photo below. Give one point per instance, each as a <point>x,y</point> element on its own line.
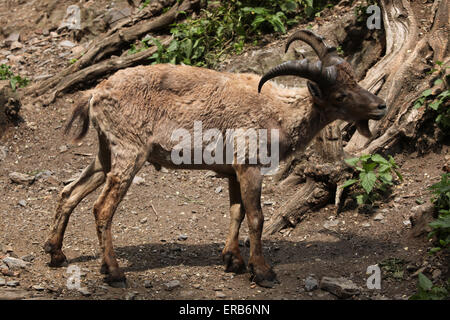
<point>193,205</point>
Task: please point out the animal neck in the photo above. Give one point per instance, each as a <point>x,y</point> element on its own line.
<point>305,122</point>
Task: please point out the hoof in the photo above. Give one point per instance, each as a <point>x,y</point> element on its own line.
<point>57,257</point>
<point>116,278</point>
<point>233,264</point>
<point>265,278</point>
<point>104,269</point>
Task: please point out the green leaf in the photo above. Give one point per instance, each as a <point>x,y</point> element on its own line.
<point>379,159</point>
<point>368,180</point>
<point>348,183</point>
<point>426,93</point>
<point>352,161</point>
<point>424,283</point>
<point>438,82</point>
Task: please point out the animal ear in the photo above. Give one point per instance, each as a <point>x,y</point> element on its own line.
<point>315,92</point>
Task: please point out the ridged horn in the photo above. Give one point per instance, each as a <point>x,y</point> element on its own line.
<point>328,55</point>
<point>304,69</point>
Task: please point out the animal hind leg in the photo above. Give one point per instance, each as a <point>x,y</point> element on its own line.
<point>92,177</point>
<point>118,180</point>
<point>231,254</point>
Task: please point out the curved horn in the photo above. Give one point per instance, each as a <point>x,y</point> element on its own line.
<point>328,55</point>
<point>304,69</point>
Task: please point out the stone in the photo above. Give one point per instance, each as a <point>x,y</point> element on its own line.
<point>38,288</point>
<point>378,217</point>
<point>220,294</point>
<point>84,291</point>
<point>27,258</point>
<point>148,284</point>
<point>21,178</point>
<point>14,263</point>
<point>218,189</point>
<point>16,45</point>
<point>13,294</point>
<point>67,44</point>
<point>330,224</point>
<point>311,283</point>
<point>171,285</point>
<point>13,283</point>
<point>182,237</point>
<point>22,203</point>
<point>138,180</point>
<point>3,152</point>
<point>340,287</point>
<point>144,220</point>
<point>2,282</point>
<point>13,37</point>
<point>72,18</point>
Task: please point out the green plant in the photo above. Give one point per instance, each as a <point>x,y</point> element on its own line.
<point>15,80</point>
<point>144,4</point>
<point>393,267</point>
<point>375,176</point>
<point>427,291</point>
<point>227,27</point>
<point>437,102</point>
<point>441,200</point>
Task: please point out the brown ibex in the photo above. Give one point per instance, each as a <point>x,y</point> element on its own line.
<point>136,110</point>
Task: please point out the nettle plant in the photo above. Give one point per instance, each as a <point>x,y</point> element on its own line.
<point>227,27</point>
<point>16,81</point>
<point>441,201</point>
<point>436,98</point>
<point>375,176</point>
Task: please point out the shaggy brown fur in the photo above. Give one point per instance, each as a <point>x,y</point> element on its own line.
<point>135,112</point>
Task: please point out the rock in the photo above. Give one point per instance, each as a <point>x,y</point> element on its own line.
<point>13,37</point>
<point>43,175</point>
<point>182,237</point>
<point>38,288</point>
<point>28,258</point>
<point>340,287</point>
<point>330,224</point>
<point>13,283</point>
<point>218,189</point>
<point>63,148</point>
<point>9,249</point>
<point>171,285</point>
<point>67,44</point>
<point>131,295</point>
<point>436,274</point>
<point>420,218</point>
<point>3,152</point>
<point>378,217</point>
<point>220,294</point>
<point>84,291</point>
<point>72,19</point>
<point>14,263</point>
<point>22,203</point>
<point>13,294</point>
<point>21,178</point>
<point>144,220</point>
<point>2,282</point>
<point>366,225</point>
<point>311,283</point>
<point>16,45</point>
<point>148,284</point>
<point>138,180</point>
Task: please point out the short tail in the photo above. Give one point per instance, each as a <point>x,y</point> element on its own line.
<point>81,112</point>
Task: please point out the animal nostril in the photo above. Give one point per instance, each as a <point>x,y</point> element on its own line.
<point>382,106</point>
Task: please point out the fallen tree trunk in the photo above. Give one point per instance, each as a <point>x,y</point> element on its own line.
<point>90,65</point>
<point>399,77</point>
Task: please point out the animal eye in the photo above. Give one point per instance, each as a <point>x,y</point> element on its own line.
<point>341,97</point>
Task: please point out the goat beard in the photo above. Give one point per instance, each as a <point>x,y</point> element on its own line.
<point>363,128</point>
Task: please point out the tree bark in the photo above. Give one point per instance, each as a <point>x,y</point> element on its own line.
<point>399,77</point>
<point>91,64</point>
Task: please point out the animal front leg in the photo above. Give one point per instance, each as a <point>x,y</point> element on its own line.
<point>250,180</point>
<point>231,254</point>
